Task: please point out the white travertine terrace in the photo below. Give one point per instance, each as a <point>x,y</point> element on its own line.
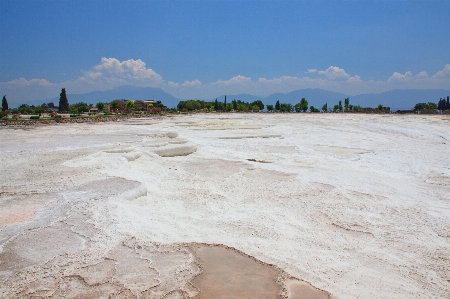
<point>357,205</point>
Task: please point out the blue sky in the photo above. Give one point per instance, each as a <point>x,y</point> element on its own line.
<point>203,49</point>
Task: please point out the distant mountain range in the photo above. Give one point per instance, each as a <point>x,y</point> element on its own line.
<point>396,99</point>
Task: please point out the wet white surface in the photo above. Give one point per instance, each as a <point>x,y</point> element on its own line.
<point>357,205</point>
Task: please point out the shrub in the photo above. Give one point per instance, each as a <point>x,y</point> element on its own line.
<point>34,117</point>
<point>73,115</point>
<point>58,116</point>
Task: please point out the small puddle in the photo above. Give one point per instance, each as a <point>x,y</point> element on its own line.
<point>229,274</point>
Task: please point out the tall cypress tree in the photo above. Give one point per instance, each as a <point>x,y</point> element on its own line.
<point>225,104</point>
<point>63,102</point>
<point>4,103</point>
<point>448,103</point>
<point>346,103</point>
<point>277,105</point>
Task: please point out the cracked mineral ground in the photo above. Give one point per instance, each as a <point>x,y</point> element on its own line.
<point>299,206</point>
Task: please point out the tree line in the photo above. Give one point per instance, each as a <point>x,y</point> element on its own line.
<point>201,105</point>
<point>258,105</point>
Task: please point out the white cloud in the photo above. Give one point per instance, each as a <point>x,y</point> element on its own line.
<point>400,77</point>
<point>355,79</point>
<point>22,82</point>
<point>421,75</point>
<point>444,73</point>
<point>334,72</point>
<point>111,72</point>
<point>172,84</point>
<point>312,71</point>
<point>196,82</point>
<point>241,80</point>
<point>282,80</point>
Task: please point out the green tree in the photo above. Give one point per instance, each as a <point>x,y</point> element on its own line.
<point>325,107</point>
<point>81,107</point>
<point>216,105</point>
<point>269,107</point>
<point>441,104</point>
<point>304,104</point>
<point>336,108</point>
<point>340,106</point>
<point>63,102</point>
<point>380,107</point>
<point>100,106</point>
<point>130,105</point>
<point>277,105</point>
<point>235,106</point>
<point>432,105</point>
<point>115,105</point>
<point>258,103</point>
<point>429,105</point>
<point>313,109</point>
<point>39,110</point>
<point>4,103</point>
<point>191,105</point>
<point>357,108</point>
<point>286,107</point>
<point>225,104</point>
<point>346,103</point>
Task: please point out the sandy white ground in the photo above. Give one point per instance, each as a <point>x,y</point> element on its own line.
<point>357,205</point>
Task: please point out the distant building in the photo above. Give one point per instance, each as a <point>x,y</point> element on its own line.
<point>143,104</point>
<point>93,110</point>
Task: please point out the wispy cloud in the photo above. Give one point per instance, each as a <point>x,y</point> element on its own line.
<point>194,83</point>
<point>237,80</point>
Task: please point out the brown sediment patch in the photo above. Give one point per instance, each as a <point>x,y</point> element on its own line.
<point>297,289</point>
<point>229,274</point>
<point>16,214</point>
<point>21,208</point>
